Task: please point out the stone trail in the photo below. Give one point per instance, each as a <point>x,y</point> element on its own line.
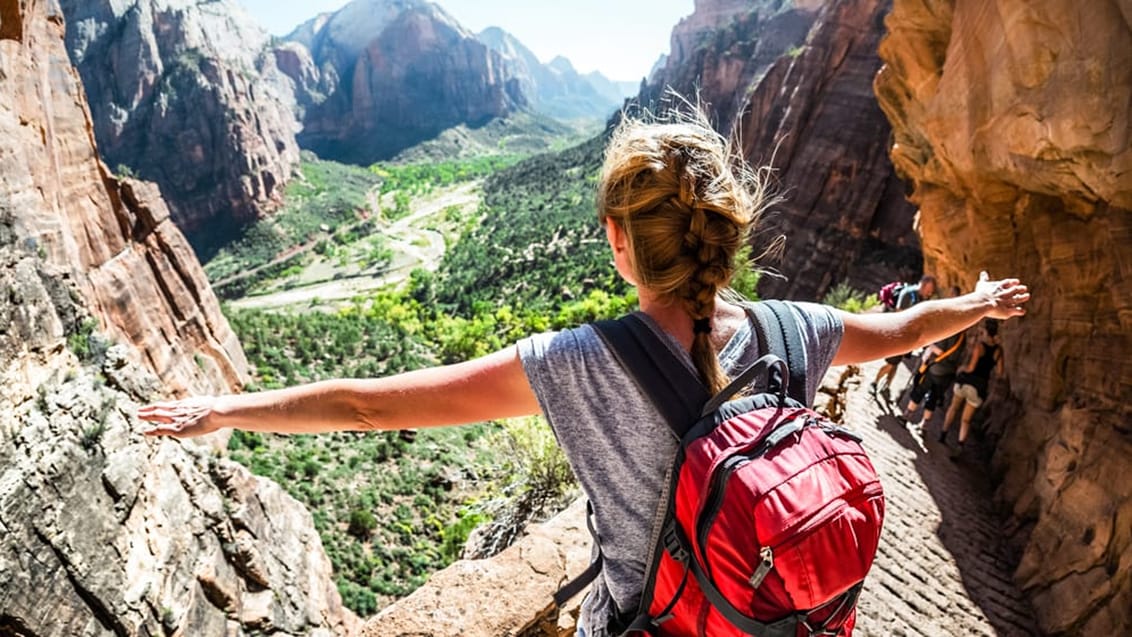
<point>943,567</point>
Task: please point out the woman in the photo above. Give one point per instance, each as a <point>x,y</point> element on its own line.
<point>676,203</point>
<point>971,383</point>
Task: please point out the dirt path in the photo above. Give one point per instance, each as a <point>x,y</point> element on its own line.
<point>413,247</point>
<point>942,567</point>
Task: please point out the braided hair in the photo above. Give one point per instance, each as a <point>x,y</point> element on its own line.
<point>686,201</point>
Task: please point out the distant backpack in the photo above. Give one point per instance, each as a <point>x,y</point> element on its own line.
<point>772,514</point>
<point>890,293</point>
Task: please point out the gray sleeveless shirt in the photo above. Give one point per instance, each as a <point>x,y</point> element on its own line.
<point>618,444</point>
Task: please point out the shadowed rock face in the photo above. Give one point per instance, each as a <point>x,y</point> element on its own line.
<point>105,532</point>
<point>792,81</point>
<point>1011,119</point>
<point>185,94</point>
<point>394,73</point>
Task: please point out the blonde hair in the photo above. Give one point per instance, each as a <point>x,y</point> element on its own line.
<point>686,201</point>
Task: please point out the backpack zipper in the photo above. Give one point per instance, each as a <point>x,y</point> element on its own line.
<point>767,563</point>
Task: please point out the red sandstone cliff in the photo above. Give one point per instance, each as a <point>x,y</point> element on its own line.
<point>793,82</point>
<point>1012,120</point>
<point>104,531</point>
<point>184,93</point>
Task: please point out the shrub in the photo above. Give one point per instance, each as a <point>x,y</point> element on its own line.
<point>362,523</point>
<point>847,298</point>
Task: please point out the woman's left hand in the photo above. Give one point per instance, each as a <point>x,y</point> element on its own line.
<point>180,418</point>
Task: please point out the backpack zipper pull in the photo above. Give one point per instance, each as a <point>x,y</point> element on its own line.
<point>767,563</point>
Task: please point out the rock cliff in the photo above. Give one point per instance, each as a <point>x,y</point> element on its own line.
<point>395,73</point>
<point>792,81</point>
<point>104,304</point>
<point>1011,119</point>
<point>185,93</point>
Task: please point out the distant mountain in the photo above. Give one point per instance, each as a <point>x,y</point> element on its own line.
<point>615,90</point>
<point>378,76</point>
<point>556,88</point>
<point>183,93</point>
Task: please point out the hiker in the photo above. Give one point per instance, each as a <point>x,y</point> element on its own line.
<point>938,365</point>
<point>676,203</point>
<point>909,295</point>
<point>972,381</point>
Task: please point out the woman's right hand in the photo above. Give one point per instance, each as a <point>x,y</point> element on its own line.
<point>185,418</point>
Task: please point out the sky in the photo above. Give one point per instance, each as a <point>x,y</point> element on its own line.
<point>620,38</point>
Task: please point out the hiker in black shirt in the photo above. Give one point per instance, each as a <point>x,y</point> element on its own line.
<point>972,382</point>
<point>935,375</point>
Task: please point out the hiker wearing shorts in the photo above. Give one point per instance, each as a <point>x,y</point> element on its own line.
<point>677,202</point>
<point>973,381</point>
<point>910,295</point>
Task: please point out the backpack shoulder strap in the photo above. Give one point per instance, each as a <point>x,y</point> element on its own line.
<point>779,333</point>
<point>675,390</point>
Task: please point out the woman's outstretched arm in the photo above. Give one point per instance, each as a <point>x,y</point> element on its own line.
<point>871,336</point>
<point>486,388</point>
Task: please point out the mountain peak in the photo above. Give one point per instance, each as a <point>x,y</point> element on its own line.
<point>562,65</point>
<point>355,25</point>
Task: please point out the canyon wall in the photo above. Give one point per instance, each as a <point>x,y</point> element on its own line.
<point>791,81</point>
<point>186,94</point>
<point>104,306</point>
<point>393,73</point>
<point>1011,120</point>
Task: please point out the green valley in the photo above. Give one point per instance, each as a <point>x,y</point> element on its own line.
<point>369,272</point>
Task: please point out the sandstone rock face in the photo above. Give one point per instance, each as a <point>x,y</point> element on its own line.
<point>792,81</point>
<point>185,93</point>
<point>395,73</point>
<point>1011,118</point>
<point>104,532</point>
<point>508,594</point>
<point>133,267</point>
<point>555,89</point>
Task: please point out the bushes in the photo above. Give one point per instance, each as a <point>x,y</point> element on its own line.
<point>539,244</point>
<point>849,299</point>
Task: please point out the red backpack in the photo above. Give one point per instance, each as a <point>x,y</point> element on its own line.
<point>773,513</point>
<point>889,293</point>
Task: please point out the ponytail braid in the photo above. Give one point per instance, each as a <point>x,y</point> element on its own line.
<point>686,201</point>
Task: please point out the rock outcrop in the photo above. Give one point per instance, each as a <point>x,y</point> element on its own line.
<point>464,599</point>
<point>792,81</point>
<point>104,304</point>
<point>555,89</point>
<point>1012,120</point>
<point>186,94</point>
<point>395,73</point>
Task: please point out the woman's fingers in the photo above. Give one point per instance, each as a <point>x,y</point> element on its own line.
<point>178,418</point>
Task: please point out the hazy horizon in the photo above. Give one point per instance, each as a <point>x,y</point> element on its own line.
<point>620,39</point>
